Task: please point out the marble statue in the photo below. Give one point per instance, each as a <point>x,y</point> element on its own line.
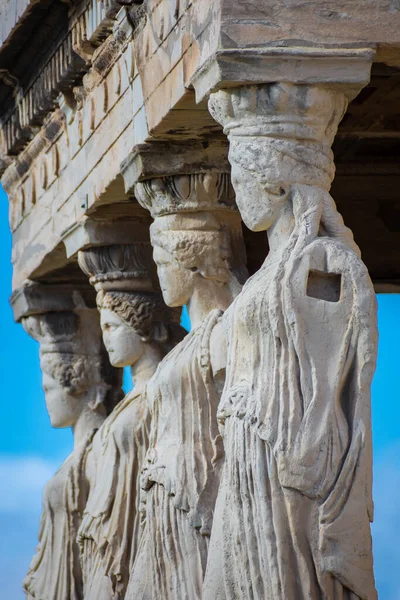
<point>138,330</point>
<point>80,390</point>
<point>196,267</point>
<point>294,507</point>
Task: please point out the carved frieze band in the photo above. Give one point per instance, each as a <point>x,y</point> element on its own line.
<point>65,69</point>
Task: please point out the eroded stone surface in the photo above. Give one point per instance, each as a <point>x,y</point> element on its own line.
<point>101,106</point>
<point>138,330</point>
<point>81,388</point>
<point>302,341</point>
<point>196,266</point>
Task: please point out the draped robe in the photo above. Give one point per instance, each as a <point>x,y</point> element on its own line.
<point>55,571</point>
<point>110,531</point>
<point>182,472</point>
<point>293,513</point>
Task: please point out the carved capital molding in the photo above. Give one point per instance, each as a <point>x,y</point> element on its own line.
<point>120,267</point>
<point>125,278</point>
<point>72,355</point>
<point>178,194</point>
<point>64,320</point>
<point>66,332</point>
<point>160,159</point>
<point>119,223</point>
<point>188,192</point>
<point>35,298</point>
<point>346,69</point>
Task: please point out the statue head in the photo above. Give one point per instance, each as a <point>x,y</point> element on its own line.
<point>132,313</point>
<point>187,249</point>
<point>196,234</point>
<point>72,382</point>
<point>280,136</point>
<point>76,373</point>
<point>131,321</point>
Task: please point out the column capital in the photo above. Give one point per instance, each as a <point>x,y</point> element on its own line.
<point>162,159</point>
<point>129,223</point>
<point>345,69</point>
<point>34,298</point>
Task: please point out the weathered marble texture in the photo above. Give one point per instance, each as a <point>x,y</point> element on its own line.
<point>181,473</point>
<point>138,330</point>
<point>55,570</point>
<point>80,390</point>
<point>110,529</point>
<point>192,252</point>
<point>294,508</point>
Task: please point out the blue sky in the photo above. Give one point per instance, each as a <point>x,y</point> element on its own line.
<point>30,450</point>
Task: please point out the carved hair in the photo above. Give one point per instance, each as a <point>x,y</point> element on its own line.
<point>197,242</point>
<point>146,314</point>
<point>327,220</point>
<point>78,373</point>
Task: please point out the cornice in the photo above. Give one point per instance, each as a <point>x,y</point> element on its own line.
<point>64,70</point>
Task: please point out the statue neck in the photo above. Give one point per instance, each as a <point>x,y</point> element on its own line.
<point>280,231</point>
<point>87,421</point>
<point>145,367</point>
<point>208,295</point>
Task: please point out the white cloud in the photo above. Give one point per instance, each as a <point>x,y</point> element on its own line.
<point>21,482</point>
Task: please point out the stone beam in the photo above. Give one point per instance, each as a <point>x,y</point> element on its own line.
<point>177,40</point>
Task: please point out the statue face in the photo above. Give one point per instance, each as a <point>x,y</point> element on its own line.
<point>258,205</point>
<point>123,344</point>
<point>177,282</point>
<point>63,408</point>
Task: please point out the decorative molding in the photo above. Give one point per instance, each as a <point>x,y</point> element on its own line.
<point>122,267</point>
<point>65,69</point>
<point>178,194</point>
<point>97,230</point>
<point>160,159</point>
<point>40,143</point>
<point>36,298</point>
<point>340,68</point>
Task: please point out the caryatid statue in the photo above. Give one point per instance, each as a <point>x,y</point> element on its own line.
<point>294,507</point>
<point>80,388</point>
<point>138,330</point>
<point>199,252</point>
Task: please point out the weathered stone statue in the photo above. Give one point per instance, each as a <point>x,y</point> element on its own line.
<point>294,507</point>
<point>80,389</point>
<point>194,256</point>
<point>138,330</point>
